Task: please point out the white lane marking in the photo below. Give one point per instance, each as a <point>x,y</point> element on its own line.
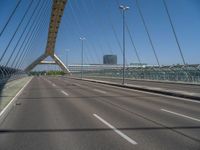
<point>116,130</point>
<point>48,81</point>
<point>1,113</point>
<point>77,84</point>
<point>188,117</point>
<point>64,93</point>
<point>100,91</point>
<point>53,84</point>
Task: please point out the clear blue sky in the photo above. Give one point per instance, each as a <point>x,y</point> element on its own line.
<point>94,19</point>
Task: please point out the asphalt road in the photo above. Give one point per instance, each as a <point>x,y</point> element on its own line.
<point>53,113</point>
<point>165,85</point>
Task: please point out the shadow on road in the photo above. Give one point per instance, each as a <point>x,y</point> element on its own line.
<point>177,129</point>
<point>63,98</point>
<point>95,129</point>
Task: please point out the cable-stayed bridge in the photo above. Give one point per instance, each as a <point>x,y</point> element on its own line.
<point>98,74</point>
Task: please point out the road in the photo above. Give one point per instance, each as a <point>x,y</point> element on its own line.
<point>53,113</point>
<point>195,88</point>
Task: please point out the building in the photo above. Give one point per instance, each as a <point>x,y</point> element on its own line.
<point>110,59</point>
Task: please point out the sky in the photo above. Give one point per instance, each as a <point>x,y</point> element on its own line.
<point>100,22</point>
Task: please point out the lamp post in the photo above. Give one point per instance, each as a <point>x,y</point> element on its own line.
<point>82,39</point>
<point>124,8</point>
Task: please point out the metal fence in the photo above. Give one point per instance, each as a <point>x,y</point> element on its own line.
<point>8,74</point>
<point>183,73</point>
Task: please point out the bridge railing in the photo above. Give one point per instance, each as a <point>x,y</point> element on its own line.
<point>176,73</point>
<point>8,74</point>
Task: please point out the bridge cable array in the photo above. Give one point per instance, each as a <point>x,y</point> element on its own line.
<point>22,34</point>
<point>174,32</point>
<point>147,31</point>
<point>34,22</point>
<point>41,21</point>
<point>10,17</point>
<point>24,42</point>
<point>19,25</point>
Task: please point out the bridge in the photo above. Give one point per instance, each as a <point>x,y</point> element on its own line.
<point>57,92</point>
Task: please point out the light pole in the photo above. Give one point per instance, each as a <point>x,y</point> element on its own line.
<point>124,8</point>
<point>67,51</point>
<point>82,39</point>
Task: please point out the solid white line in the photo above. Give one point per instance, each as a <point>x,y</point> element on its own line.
<point>2,112</point>
<point>64,93</point>
<point>188,117</point>
<point>116,130</point>
<point>100,91</point>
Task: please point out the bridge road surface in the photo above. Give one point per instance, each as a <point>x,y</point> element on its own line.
<point>195,88</point>
<point>53,113</point>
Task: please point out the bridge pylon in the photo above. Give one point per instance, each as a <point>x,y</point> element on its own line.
<point>56,15</point>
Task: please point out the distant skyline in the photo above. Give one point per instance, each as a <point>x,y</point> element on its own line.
<point>100,22</point>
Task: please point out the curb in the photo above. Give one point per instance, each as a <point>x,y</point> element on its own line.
<point>146,89</point>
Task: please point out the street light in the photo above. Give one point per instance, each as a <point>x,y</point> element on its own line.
<point>67,51</point>
<point>124,8</point>
<point>82,39</point>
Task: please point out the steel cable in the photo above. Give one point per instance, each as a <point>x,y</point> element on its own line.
<point>26,37</point>
<point>31,37</point>
<point>26,12</point>
<point>174,32</point>
<point>10,17</point>
<point>147,31</point>
<point>26,26</point>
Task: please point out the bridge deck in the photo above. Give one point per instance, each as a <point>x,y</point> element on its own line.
<point>53,113</point>
<point>189,88</point>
